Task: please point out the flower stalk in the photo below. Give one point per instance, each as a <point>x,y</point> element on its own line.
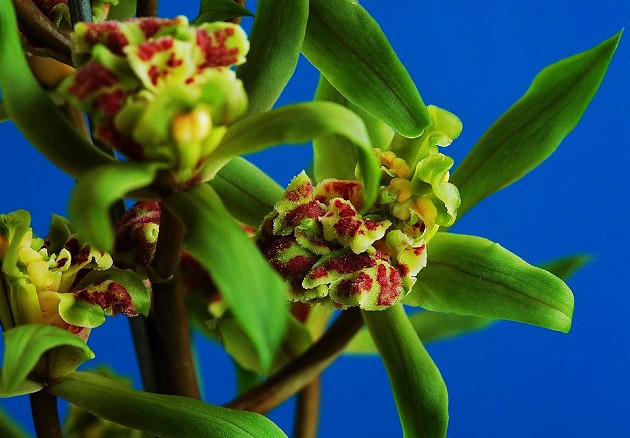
<point>45,415</point>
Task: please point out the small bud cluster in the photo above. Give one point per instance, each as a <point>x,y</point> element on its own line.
<point>159,89</point>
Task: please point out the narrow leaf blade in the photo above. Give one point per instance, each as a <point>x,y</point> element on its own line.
<point>34,113</point>
<point>276,40</point>
<point>251,288</point>
<point>166,416</point>
<point>347,45</point>
<point>220,10</point>
<point>246,191</point>
<point>419,390</point>
<point>469,275</point>
<point>98,190</point>
<point>10,428</point>
<point>532,129</point>
<point>565,267</point>
<point>25,344</point>
<point>3,112</point>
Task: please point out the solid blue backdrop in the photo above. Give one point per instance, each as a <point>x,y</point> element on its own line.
<point>474,59</point>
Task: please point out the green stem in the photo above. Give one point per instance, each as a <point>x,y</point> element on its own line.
<point>303,370</point>
<point>147,8</point>
<point>45,415</point>
<point>168,329</point>
<point>307,411</point>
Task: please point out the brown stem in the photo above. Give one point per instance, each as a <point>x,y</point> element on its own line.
<point>302,370</point>
<point>168,332</point>
<point>45,415</point>
<point>307,413</point>
<point>147,8</point>
<point>40,27</point>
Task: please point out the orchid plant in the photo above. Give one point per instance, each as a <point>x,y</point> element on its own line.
<point>159,111</point>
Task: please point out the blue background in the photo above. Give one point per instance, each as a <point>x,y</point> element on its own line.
<point>474,59</point>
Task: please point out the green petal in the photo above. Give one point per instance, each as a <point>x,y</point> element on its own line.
<point>532,129</point>
<point>178,416</point>
<point>432,172</point>
<point>469,275</point>
<point>419,390</point>
<point>24,345</point>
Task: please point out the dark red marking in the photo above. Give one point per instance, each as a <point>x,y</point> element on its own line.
<point>346,226</point>
<point>110,103</point>
<point>91,78</point>
<point>107,133</point>
<point>146,51</point>
<point>116,298</point>
<point>311,210</point>
<point>344,265</point>
<point>108,33</point>
<point>297,267</point>
<point>303,191</point>
<point>390,285</point>
<point>215,54</point>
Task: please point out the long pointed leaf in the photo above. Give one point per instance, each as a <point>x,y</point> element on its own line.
<point>300,123</point>
<point>565,267</point>
<point>469,275</point>
<point>276,41</point>
<point>532,129</point>
<point>98,190</point>
<point>246,191</point>
<point>3,112</point>
<point>24,346</point>
<point>166,416</point>
<point>419,390</point>
<point>220,10</point>
<point>347,45</point>
<point>34,113</point>
<point>251,288</point>
<point>10,428</point>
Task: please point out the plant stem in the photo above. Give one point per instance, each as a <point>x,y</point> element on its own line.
<point>42,28</point>
<point>45,415</point>
<point>168,330</point>
<point>307,413</point>
<point>80,10</point>
<point>304,369</point>
<point>147,8</point>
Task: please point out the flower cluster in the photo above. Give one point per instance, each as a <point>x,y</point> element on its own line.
<point>330,248</point>
<point>59,281</point>
<point>159,89</point>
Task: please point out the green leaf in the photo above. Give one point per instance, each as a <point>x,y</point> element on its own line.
<point>300,123</point>
<point>220,10</point>
<point>9,428</point>
<point>30,108</point>
<point>98,190</point>
<point>178,416</point>
<point>276,39</point>
<point>532,129</point>
<point>251,288</point>
<point>346,44</point>
<point>565,267</point>
<point>26,344</point>
<point>419,390</point>
<point>123,10</point>
<point>246,191</point>
<point>429,326</point>
<point>3,112</point>
<point>58,233</point>
<point>469,275</point>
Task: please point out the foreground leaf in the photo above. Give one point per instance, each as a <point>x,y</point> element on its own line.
<point>300,123</point>
<point>166,416</point>
<point>419,390</point>
<point>26,344</point>
<point>123,10</point>
<point>251,288</point>
<point>276,39</point>
<point>532,129</point>
<point>3,112</point>
<point>565,267</point>
<point>246,191</point>
<point>347,45</point>
<point>220,10</point>
<point>98,190</point>
<point>32,111</point>
<point>469,275</point>
<point>10,428</point>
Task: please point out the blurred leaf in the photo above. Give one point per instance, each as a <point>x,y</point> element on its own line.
<point>3,112</point>
<point>24,345</point>
<point>429,326</point>
<point>123,10</point>
<point>10,428</point>
<point>251,288</point>
<point>178,416</point>
<point>98,190</point>
<point>347,45</point>
<point>220,10</point>
<point>276,40</point>
<point>565,267</point>
<point>300,123</point>
<point>58,233</point>
<point>533,127</point>
<point>419,390</point>
<point>246,191</point>
<point>469,275</point>
<point>30,108</point>
<point>24,388</point>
